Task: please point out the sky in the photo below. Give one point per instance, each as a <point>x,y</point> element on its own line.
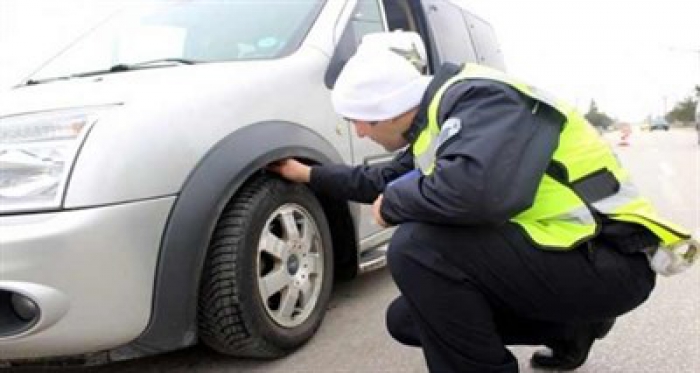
<point>635,58</point>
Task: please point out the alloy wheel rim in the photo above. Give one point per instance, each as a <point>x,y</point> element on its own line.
<point>290,265</point>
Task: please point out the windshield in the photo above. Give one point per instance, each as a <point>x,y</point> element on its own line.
<point>194,30</point>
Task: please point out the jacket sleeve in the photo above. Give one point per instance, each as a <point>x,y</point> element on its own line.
<point>360,183</point>
<point>489,170</point>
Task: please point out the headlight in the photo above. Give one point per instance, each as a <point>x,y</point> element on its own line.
<point>37,152</point>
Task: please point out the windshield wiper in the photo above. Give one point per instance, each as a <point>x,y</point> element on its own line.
<point>46,80</point>
<point>162,62</point>
<point>152,63</point>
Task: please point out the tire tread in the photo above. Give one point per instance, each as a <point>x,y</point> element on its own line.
<point>223,324</point>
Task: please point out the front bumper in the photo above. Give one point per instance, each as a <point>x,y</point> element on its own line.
<point>90,273</point>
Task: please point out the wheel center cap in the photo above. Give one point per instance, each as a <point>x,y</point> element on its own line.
<point>293,264</point>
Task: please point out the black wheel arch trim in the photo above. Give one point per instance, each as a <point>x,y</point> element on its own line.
<point>213,182</point>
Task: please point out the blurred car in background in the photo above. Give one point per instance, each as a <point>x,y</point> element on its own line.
<point>659,123</point>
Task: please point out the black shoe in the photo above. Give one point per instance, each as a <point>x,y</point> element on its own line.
<point>571,355</point>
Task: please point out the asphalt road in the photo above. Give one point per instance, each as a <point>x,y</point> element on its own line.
<point>661,336</point>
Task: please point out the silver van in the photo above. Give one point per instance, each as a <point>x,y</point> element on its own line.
<point>136,216</point>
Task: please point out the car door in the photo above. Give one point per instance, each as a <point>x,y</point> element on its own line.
<point>367,17</point>
<point>460,36</point>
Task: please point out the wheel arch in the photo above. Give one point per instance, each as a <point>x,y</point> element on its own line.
<point>233,161</point>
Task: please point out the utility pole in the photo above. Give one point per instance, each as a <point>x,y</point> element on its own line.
<point>695,51</point>
<point>665,110</point>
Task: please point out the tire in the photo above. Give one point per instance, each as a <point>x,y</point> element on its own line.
<point>260,299</point>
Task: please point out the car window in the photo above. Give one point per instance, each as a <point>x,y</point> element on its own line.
<point>199,30</point>
<point>367,19</point>
<point>452,38</point>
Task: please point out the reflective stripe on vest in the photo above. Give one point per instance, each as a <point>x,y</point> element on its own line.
<point>559,217</point>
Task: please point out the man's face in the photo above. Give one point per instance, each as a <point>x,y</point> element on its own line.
<point>387,133</point>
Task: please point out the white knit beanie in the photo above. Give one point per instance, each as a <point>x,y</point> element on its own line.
<point>377,84</point>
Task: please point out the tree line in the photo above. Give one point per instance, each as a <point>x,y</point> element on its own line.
<point>682,111</point>
<point>597,117</point>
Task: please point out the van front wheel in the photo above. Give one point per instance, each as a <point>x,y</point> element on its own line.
<point>269,271</point>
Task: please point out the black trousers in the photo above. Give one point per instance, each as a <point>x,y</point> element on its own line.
<point>467,292</point>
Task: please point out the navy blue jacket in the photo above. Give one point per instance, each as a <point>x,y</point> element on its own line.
<point>485,174</point>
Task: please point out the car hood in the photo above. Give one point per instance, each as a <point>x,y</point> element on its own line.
<point>147,86</point>
<point>168,119</point>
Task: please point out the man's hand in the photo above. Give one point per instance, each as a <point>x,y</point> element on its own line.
<point>376,208</point>
<point>292,170</point>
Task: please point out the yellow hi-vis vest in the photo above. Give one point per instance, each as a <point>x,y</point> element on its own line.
<point>560,217</point>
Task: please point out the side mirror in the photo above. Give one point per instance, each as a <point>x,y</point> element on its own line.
<point>346,48</point>
<point>408,44</point>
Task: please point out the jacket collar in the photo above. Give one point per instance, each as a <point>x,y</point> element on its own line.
<point>444,73</point>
